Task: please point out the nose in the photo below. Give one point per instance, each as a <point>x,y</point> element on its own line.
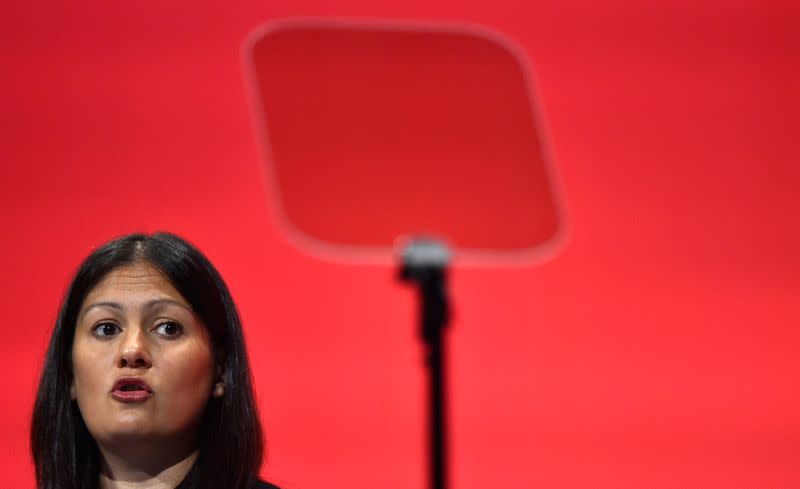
<point>133,351</point>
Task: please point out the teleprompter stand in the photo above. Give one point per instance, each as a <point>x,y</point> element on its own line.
<point>424,263</point>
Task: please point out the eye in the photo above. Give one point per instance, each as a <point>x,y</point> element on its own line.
<point>170,329</point>
<point>105,330</point>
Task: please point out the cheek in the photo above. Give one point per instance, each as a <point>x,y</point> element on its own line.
<point>187,379</point>
<point>90,367</point>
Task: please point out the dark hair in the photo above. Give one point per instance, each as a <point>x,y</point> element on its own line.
<point>231,446</point>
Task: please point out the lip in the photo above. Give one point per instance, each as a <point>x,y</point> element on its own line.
<point>143,393</point>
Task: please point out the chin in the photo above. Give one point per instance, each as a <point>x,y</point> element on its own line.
<point>128,426</point>
<point>128,431</point>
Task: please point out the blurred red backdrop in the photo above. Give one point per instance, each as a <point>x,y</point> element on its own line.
<point>658,349</point>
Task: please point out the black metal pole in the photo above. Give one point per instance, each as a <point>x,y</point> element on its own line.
<point>425,264</point>
<point>437,424</point>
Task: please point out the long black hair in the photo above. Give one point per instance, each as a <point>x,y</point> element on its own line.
<point>231,445</point>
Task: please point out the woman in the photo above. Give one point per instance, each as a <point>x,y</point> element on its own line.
<point>146,380</point>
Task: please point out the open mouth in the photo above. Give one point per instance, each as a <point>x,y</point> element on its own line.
<point>131,384</point>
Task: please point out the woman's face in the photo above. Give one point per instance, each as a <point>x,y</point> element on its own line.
<point>142,360</point>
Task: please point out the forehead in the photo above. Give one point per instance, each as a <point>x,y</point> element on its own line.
<point>136,280</point>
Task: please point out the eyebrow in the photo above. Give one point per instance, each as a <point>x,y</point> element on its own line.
<point>147,305</point>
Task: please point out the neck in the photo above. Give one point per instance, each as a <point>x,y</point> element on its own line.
<point>144,468</point>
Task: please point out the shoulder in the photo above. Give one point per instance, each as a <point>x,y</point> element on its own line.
<point>259,484</point>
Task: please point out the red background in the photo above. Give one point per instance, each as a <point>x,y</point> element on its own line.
<point>658,348</point>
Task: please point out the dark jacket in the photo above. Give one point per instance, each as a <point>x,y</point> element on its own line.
<point>264,485</point>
